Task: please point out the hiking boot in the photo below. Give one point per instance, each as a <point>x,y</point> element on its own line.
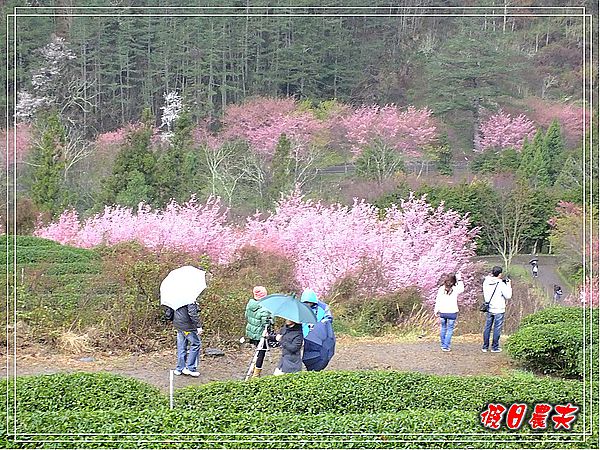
<point>256,372</point>
<point>177,372</point>
<point>187,371</point>
<point>497,350</point>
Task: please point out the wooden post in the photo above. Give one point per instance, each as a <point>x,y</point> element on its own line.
<point>171,388</point>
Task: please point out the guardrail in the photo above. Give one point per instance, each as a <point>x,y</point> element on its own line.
<point>410,166</point>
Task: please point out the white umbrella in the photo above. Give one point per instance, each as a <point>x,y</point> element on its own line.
<point>182,286</point>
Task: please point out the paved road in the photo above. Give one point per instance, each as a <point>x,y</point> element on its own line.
<point>547,271</point>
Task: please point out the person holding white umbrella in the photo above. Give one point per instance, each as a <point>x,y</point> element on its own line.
<point>178,293</point>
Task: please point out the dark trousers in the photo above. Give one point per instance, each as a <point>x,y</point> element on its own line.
<point>261,347</point>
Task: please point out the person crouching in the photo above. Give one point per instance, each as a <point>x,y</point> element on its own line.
<point>290,340</point>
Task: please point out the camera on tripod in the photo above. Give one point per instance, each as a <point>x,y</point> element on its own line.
<point>270,335</point>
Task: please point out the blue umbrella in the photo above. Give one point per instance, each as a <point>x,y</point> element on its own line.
<point>289,308</point>
<point>319,346</point>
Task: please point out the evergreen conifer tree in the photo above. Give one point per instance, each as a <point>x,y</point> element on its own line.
<point>171,178</point>
<point>281,168</point>
<point>554,147</point>
<point>47,186</point>
<point>133,177</point>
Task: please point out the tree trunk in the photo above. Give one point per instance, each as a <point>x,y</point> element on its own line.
<point>63,21</point>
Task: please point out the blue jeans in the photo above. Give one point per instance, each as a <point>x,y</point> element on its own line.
<point>446,331</point>
<point>498,320</point>
<point>183,337</point>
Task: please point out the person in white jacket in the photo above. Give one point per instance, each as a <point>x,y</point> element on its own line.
<point>446,306</point>
<point>495,292</point>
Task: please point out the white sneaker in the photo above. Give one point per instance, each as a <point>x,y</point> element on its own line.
<point>187,371</point>
<point>484,350</point>
<point>176,372</point>
<point>497,350</point>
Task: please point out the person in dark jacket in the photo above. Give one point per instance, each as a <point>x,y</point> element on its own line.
<point>290,340</point>
<point>258,318</point>
<point>186,321</point>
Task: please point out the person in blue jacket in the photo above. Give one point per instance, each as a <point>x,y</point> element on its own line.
<point>321,309</point>
<point>318,349</point>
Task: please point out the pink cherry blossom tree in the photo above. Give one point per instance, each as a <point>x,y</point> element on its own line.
<point>411,244</point>
<point>569,116</point>
<point>12,154</point>
<point>502,131</point>
<point>262,121</point>
<point>188,227</point>
<point>406,131</point>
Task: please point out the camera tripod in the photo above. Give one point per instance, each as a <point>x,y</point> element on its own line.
<point>262,347</point>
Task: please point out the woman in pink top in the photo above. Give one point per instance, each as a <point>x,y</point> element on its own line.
<point>446,306</point>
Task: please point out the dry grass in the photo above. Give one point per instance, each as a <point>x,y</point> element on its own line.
<point>421,321</point>
<point>74,343</point>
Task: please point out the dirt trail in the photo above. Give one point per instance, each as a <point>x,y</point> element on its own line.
<point>466,358</point>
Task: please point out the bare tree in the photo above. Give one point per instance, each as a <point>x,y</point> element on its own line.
<point>506,219</point>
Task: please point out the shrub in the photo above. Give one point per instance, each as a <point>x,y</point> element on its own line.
<point>373,392</point>
<point>556,315</point>
<point>319,409</point>
<point>115,291</point>
<point>371,315</point>
<point>279,429</point>
<point>551,341</point>
<point>81,391</point>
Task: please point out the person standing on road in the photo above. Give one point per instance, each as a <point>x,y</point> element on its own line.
<point>258,319</point>
<point>534,268</point>
<point>557,293</point>
<point>446,306</point>
<point>495,292</point>
<point>290,340</point>
<point>186,321</point>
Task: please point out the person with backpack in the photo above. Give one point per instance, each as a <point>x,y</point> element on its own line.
<point>495,293</point>
<point>446,306</point>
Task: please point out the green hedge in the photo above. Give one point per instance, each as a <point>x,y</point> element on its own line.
<point>559,315</point>
<point>82,391</point>
<point>27,241</point>
<point>33,250</point>
<point>430,411</point>
<point>282,429</point>
<point>551,342</point>
<point>379,391</point>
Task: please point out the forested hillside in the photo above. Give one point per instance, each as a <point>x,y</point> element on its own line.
<point>454,65</point>
<point>139,103</point>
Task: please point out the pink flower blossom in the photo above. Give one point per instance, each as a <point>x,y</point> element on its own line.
<point>412,245</point>
<point>188,227</point>
<point>263,120</point>
<point>569,116</point>
<point>22,137</point>
<point>407,131</point>
<point>502,131</point>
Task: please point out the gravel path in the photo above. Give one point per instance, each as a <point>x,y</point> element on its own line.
<point>423,356</point>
